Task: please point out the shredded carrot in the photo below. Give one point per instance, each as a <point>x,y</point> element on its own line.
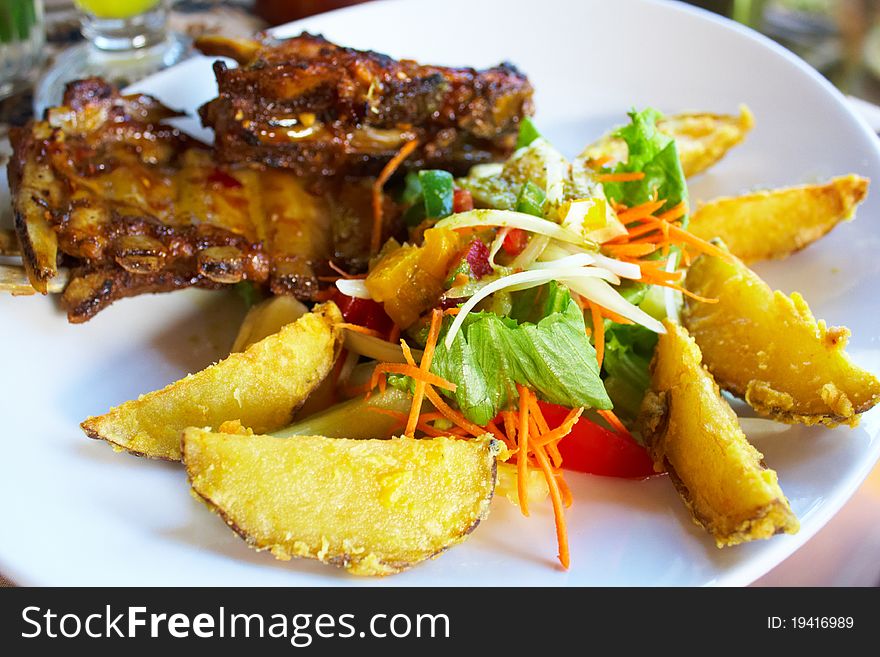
<point>558,505</point>
<point>675,212</point>
<point>636,231</point>
<point>628,176</point>
<point>598,332</point>
<point>451,414</point>
<point>601,161</point>
<point>658,276</point>
<point>686,257</point>
<point>407,353</point>
<point>615,423</point>
<point>564,489</point>
<point>685,291</point>
<point>560,432</point>
<point>357,328</point>
<point>640,211</point>
<point>404,152</point>
<point>555,455</point>
<point>535,412</point>
<point>413,372</point>
<point>630,250</point>
<point>424,366</point>
<point>687,237</point>
<point>522,460</point>
<point>452,311</point>
<point>509,418</point>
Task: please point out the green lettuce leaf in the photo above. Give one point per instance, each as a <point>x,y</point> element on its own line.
<point>655,154</point>
<point>628,352</point>
<point>491,354</point>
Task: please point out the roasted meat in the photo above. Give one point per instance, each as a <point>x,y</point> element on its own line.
<point>103,186</point>
<point>310,106</point>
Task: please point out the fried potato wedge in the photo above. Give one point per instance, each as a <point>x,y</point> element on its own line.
<point>262,386</point>
<point>702,139</point>
<point>267,317</point>
<point>693,434</point>
<point>373,507</point>
<point>768,348</point>
<point>776,223</point>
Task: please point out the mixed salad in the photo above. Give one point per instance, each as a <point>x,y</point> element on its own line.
<point>525,303</point>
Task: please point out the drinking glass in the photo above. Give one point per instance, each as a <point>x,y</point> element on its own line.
<point>21,43</point>
<point>125,40</point>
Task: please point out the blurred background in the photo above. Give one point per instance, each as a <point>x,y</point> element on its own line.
<point>44,43</point>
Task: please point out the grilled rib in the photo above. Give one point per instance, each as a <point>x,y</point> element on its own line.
<point>132,205</point>
<point>308,105</point>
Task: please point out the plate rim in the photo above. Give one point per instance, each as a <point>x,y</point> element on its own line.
<point>752,568</point>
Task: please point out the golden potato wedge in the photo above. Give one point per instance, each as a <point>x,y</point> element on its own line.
<point>262,386</point>
<point>702,139</point>
<point>693,434</point>
<point>769,349</point>
<point>776,223</point>
<point>373,507</point>
<point>266,318</point>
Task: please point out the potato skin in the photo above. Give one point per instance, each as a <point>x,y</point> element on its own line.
<point>768,348</point>
<point>262,386</point>
<point>372,507</point>
<point>692,432</point>
<point>776,223</point>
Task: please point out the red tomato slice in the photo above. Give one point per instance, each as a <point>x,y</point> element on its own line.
<point>364,312</point>
<point>515,241</point>
<point>462,201</point>
<point>596,450</point>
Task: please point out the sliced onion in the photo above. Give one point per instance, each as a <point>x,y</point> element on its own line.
<point>622,269</point>
<point>558,250</point>
<point>607,297</point>
<point>353,287</point>
<point>574,260</point>
<point>511,219</point>
<point>532,252</point>
<point>497,243</point>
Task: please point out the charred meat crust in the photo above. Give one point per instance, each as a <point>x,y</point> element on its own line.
<point>90,291</point>
<point>317,108</point>
<point>133,206</point>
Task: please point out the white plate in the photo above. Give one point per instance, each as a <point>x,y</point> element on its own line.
<point>75,512</point>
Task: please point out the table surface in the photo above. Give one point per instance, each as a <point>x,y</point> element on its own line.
<point>846,552</point>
